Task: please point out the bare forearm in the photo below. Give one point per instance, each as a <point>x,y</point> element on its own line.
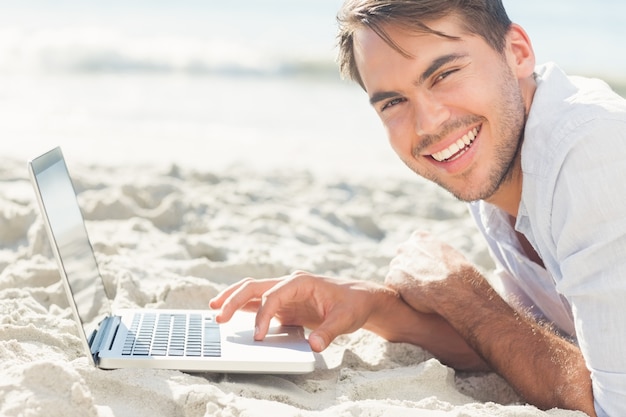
<point>547,370</point>
<point>396,321</point>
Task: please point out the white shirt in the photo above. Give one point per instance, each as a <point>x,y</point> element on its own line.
<point>573,212</point>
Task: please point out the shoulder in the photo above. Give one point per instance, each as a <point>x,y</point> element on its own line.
<point>573,122</point>
<point>575,132</point>
<point>566,111</point>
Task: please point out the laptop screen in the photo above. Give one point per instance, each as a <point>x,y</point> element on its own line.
<point>66,229</point>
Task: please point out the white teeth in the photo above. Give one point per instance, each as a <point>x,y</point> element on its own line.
<point>457,146</point>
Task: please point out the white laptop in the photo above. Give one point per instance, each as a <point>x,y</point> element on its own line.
<point>186,340</point>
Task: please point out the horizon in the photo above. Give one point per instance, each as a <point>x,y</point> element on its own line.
<point>277,37</point>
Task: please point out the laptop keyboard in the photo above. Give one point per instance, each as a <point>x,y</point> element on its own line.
<point>172,334</point>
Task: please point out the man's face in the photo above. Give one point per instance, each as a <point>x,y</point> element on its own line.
<point>453,111</point>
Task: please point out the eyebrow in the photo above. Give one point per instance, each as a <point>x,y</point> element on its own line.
<point>438,63</point>
<point>432,68</point>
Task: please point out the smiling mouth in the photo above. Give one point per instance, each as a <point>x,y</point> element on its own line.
<point>458,148</point>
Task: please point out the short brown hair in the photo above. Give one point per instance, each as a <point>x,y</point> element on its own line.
<point>486,18</point>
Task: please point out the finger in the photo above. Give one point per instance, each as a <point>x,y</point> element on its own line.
<point>285,292</point>
<point>333,326</point>
<point>218,300</point>
<point>245,296</point>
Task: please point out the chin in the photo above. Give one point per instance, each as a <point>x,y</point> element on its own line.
<point>467,193</point>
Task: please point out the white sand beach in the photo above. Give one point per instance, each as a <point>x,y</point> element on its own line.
<point>170,236</point>
<point>213,141</point>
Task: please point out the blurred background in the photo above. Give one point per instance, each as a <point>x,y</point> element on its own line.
<point>207,83</point>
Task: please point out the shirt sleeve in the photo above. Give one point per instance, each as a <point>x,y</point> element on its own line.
<point>589,233</point>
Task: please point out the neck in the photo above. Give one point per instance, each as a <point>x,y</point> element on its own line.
<point>509,195</point>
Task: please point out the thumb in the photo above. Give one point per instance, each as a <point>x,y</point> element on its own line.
<point>318,342</point>
<point>320,338</point>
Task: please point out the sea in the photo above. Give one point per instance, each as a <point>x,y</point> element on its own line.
<point>204,81</point>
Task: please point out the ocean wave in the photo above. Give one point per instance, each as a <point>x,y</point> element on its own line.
<point>94,51</point>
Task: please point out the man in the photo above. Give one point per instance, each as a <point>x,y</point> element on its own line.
<point>537,155</point>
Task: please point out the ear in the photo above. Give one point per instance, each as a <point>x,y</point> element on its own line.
<point>520,54</point>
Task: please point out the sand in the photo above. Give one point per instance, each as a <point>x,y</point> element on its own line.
<point>172,236</point>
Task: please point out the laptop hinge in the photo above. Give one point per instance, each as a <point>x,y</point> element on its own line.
<point>104,336</point>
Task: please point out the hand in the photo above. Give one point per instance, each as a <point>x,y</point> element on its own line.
<point>330,307</point>
<point>425,270</point>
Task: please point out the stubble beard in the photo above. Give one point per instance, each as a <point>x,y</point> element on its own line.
<point>509,134</point>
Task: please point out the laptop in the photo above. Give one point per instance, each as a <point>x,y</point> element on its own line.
<point>185,340</point>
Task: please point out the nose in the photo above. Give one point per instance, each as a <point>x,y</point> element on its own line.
<point>430,114</point>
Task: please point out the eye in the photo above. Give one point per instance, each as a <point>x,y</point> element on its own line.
<point>444,75</point>
<point>392,103</point>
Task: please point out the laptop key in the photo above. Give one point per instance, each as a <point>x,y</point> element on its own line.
<point>212,339</point>
<point>173,335</point>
